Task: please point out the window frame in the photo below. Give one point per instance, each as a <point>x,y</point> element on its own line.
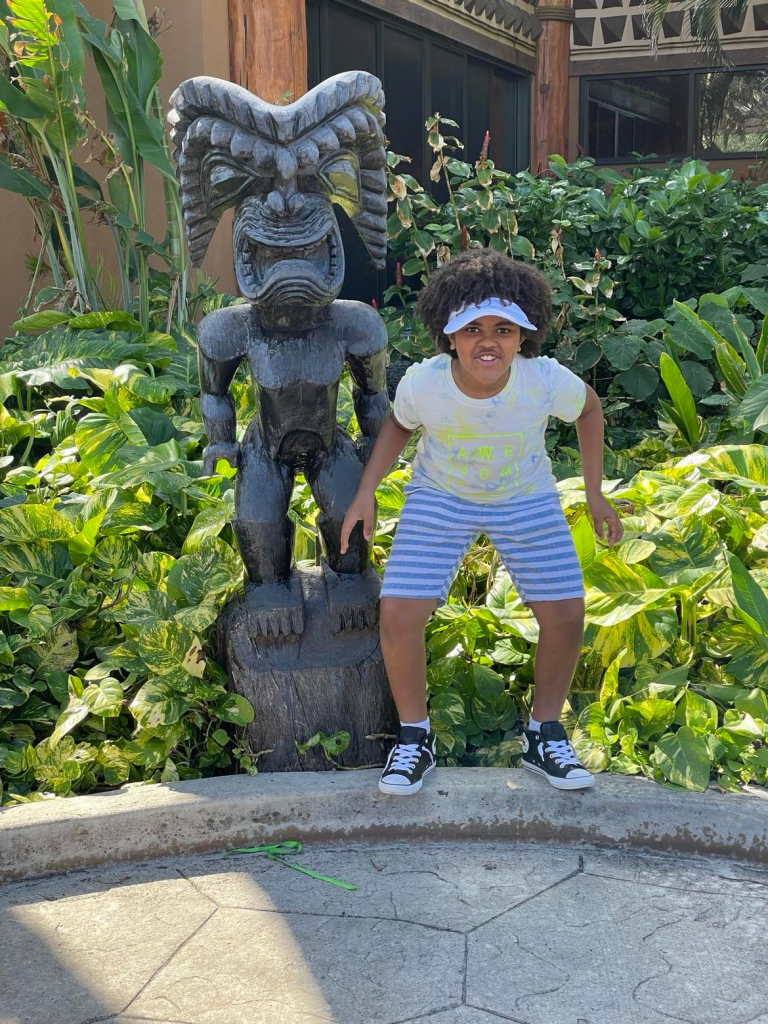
<point>428,39</point>
<point>691,123</point>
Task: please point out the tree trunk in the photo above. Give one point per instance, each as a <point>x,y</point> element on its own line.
<point>268,47</point>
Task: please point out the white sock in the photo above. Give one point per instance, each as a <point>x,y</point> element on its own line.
<point>533,724</point>
<point>418,725</point>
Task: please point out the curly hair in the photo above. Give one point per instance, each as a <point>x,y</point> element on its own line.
<point>482,274</point>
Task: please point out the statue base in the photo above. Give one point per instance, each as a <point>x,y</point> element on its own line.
<point>321,680</point>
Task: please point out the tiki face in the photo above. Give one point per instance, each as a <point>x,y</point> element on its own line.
<point>282,168</point>
<point>288,251</point>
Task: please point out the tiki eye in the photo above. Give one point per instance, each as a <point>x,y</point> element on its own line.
<point>341,175</point>
<point>226,181</point>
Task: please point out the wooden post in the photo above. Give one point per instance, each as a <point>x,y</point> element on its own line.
<point>550,104</point>
<point>268,47</point>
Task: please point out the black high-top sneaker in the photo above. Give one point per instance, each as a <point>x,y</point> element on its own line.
<point>549,752</point>
<point>411,758</point>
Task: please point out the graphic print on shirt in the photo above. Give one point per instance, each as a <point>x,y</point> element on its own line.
<point>482,463</point>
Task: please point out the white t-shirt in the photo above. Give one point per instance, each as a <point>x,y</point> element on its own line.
<point>486,449</point>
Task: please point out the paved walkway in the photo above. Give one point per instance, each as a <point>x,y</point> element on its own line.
<point>471,933</point>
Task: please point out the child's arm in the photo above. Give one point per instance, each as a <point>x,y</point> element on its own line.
<point>391,441</point>
<point>589,427</point>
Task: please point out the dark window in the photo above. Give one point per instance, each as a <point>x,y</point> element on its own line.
<point>447,99</point>
<point>640,113</point>
<point>732,108</point>
<point>403,63</point>
<point>479,90</point>
<point>349,43</point>
<point>475,92</point>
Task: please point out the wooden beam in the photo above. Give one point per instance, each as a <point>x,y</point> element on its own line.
<point>268,47</point>
<point>550,96</point>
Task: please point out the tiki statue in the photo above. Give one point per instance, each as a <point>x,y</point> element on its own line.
<point>282,168</point>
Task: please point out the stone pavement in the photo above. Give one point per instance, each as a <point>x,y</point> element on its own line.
<point>444,933</point>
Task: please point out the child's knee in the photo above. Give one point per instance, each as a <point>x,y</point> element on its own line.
<point>560,616</point>
<point>401,617</point>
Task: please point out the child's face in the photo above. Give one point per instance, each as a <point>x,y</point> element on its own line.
<point>486,347</point>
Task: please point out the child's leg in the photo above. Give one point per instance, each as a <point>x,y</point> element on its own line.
<point>433,535</point>
<point>537,548</point>
<point>561,630</point>
<point>403,621</point>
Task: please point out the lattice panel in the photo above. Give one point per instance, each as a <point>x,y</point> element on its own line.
<point>622,25</point>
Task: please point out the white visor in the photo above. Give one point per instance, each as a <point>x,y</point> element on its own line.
<point>488,307</point>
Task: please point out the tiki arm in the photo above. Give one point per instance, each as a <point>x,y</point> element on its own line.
<point>222,339</point>
<point>367,361</point>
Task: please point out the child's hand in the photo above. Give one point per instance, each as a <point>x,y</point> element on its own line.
<point>363,507</point>
<point>603,512</point>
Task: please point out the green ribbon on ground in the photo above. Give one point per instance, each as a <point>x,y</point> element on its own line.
<point>277,851</point>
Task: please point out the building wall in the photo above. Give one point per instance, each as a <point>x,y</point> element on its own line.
<point>195,41</point>
<point>610,38</point>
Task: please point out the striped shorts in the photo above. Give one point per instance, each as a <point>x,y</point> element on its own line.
<point>437,529</point>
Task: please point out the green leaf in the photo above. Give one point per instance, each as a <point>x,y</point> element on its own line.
<point>413,266</point>
<point>732,368</point>
<point>211,570</point>
<point>684,759</point>
<point>119,319</point>
<point>609,690</point>
<point>623,350</point>
<point>685,542</point>
<point>440,674</point>
<point>656,713</point>
<point>522,247</point>
<point>57,651</point>
<point>32,523</point>
<point>40,321</point>
<point>583,533</point>
<point>690,337</point>
<point>234,708</point>
<point>645,636</point>
<point>210,522</point>
<point>488,683</point>
<point>158,704</point>
<point>142,516</point>
<point>117,767</point>
<point>687,419</point>
<point>71,717</point>
<point>447,708</point>
<point>754,703</point>
<point>104,698</point>
<point>14,599</point>
<point>40,561</point>
<point>746,648</point>
<point>639,381</point>
<point>617,591</point>
<point>750,596</point>
<point>746,464</point>
<point>698,712</point>
<point>16,102</point>
<point>168,648</point>
<point>754,405</point>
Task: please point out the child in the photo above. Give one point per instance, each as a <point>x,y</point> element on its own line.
<point>482,406</point>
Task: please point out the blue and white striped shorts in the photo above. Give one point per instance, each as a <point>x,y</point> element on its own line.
<point>437,529</point>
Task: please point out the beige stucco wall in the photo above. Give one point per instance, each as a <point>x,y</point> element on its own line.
<point>195,41</point>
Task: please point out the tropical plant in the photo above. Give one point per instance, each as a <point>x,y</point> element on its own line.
<point>47,118</point>
<point>115,557</point>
